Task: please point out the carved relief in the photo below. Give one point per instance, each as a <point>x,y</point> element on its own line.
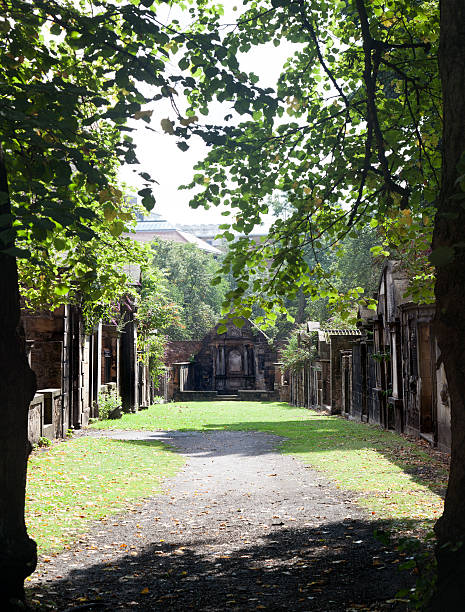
<point>234,332</point>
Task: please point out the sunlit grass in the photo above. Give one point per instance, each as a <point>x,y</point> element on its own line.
<point>383,469</point>
<point>78,481</point>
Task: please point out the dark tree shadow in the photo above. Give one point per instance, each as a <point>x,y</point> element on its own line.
<point>338,566</point>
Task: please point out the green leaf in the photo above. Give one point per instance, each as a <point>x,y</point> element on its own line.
<point>117,228</point>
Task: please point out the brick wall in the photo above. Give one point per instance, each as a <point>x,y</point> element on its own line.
<point>181,350</point>
<point>46,361</point>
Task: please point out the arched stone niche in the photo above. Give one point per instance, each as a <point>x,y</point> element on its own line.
<point>234,362</point>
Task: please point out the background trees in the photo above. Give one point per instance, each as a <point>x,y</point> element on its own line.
<point>188,273</point>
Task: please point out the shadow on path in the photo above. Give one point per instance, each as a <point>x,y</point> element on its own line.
<point>338,566</point>
<point>304,436</point>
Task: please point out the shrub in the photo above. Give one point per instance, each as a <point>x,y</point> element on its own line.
<point>106,404</point>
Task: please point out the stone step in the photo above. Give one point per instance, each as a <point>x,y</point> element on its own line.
<point>226,398</point>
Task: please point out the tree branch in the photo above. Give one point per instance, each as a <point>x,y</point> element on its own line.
<point>370,72</point>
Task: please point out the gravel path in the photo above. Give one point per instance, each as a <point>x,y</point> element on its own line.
<point>241,527</point>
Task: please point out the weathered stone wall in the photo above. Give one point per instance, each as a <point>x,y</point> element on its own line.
<point>257,395</point>
<point>443,408</point>
<point>36,409</point>
<point>110,350</point>
<point>337,344</point>
<point>195,396</point>
<point>44,331</point>
<point>181,350</point>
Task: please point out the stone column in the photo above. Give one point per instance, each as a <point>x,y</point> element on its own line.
<point>222,361</point>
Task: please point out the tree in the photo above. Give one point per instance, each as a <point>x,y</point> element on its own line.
<point>351,264</point>
<point>189,272</point>
<point>156,316</point>
<point>71,76</point>
<point>352,141</point>
<point>448,242</point>
<point>351,137</point>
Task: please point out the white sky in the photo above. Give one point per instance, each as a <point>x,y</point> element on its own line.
<point>165,162</point>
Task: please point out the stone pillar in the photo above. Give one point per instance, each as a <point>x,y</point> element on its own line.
<point>222,361</point>
<point>128,363</point>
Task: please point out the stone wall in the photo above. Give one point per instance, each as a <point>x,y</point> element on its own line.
<point>181,350</point>
<point>110,354</point>
<point>36,409</point>
<point>45,334</point>
<point>47,363</point>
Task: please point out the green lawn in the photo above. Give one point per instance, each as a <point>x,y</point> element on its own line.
<point>81,480</point>
<point>84,479</point>
<point>391,476</point>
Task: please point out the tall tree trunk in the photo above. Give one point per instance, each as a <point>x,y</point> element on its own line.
<point>17,388</point>
<point>449,238</point>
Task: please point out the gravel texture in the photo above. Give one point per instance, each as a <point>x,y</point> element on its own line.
<point>241,527</point>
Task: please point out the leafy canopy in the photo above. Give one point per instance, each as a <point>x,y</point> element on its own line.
<point>71,75</point>
<point>349,138</point>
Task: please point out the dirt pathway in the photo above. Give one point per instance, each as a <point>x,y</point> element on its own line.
<point>241,527</point>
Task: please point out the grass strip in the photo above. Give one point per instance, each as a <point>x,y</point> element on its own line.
<point>75,482</point>
<point>392,477</point>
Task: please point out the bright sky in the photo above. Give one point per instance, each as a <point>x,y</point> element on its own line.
<point>161,158</point>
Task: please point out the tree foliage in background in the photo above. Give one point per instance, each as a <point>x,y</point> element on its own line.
<point>71,78</point>
<point>350,137</point>
<point>350,264</point>
<point>189,272</point>
<point>156,316</point>
<point>299,351</point>
<point>91,274</point>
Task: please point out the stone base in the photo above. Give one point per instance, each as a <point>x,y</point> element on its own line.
<point>244,395</point>
<point>257,395</point>
<point>195,396</point>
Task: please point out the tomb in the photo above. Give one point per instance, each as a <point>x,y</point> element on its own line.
<point>236,364</point>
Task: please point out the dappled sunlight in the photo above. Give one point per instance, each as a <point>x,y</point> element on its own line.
<point>81,480</point>
<point>314,568</point>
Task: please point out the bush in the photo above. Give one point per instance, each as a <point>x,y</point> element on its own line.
<point>107,404</point>
<point>295,357</point>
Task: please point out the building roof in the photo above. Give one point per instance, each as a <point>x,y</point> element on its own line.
<point>201,244</point>
<point>327,333</point>
<point>343,332</point>
<point>211,230</point>
<point>155,224</point>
